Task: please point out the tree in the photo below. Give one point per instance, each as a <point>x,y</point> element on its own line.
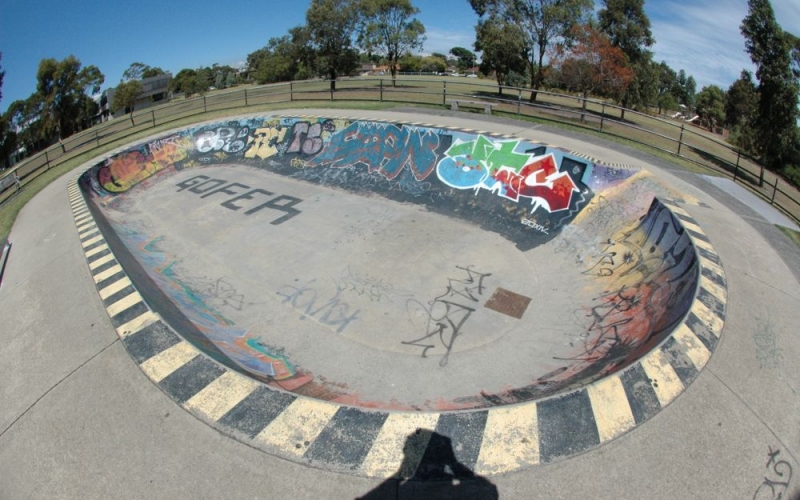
<point>134,71</point>
<point>410,63</point>
<point>150,72</point>
<point>283,59</point>
<point>388,28</point>
<point>711,106</point>
<point>667,80</point>
<point>125,95</point>
<point>433,64</point>
<point>331,26</point>
<point>592,65</point>
<point>628,27</point>
<point>541,23</point>
<point>190,82</point>
<point>466,58</point>
<point>685,89</point>
<point>775,124</point>
<point>502,46</point>
<point>62,87</point>
<point>741,103</point>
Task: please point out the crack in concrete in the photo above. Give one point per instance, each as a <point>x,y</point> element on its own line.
<point>29,408</point>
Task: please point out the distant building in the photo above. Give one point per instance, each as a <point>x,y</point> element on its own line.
<point>154,89</point>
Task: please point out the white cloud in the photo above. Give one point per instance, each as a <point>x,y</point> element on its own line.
<point>439,40</point>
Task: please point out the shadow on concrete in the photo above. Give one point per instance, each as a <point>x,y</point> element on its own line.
<point>430,470</point>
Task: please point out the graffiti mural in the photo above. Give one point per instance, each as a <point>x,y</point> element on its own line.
<point>643,274</point>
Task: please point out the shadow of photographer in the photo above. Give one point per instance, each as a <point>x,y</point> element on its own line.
<point>430,470</point>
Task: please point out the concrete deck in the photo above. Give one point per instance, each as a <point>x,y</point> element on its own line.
<point>82,420</point>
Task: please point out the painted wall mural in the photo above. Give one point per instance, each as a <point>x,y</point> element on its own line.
<point>526,192</point>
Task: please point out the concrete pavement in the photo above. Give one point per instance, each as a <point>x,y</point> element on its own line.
<point>79,419</point>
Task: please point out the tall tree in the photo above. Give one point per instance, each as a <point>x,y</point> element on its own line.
<point>134,72</point>
<point>388,28</point>
<point>628,27</point>
<point>775,124</point>
<point>465,57</point>
<point>741,104</point>
<point>667,80</point>
<point>331,27</point>
<point>711,106</point>
<point>542,23</point>
<point>502,49</point>
<point>282,59</point>
<point>62,86</point>
<point>2,75</point>
<point>593,65</point>
<point>125,95</point>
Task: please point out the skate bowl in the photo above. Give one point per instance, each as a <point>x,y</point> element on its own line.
<point>389,269</point>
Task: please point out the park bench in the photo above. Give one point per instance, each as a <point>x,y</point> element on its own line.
<point>454,103</point>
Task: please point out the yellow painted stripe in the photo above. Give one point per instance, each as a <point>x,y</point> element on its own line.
<point>111,271</point>
<point>704,245</point>
<point>81,212</point>
<point>124,303</point>
<point>510,440</point>
<point>221,395</point>
<point>87,229</point>
<point>717,291</point>
<point>709,318</point>
<point>92,241</point>
<point>678,210</point>
<point>692,227</point>
<point>695,350</point>
<point>102,260</point>
<point>82,218</point>
<point>293,431</point>
<point>114,287</point>
<point>711,266</point>
<point>143,320</point>
<point>96,250</point>
<point>663,378</point>
<point>612,411</point>
<point>164,363</point>
<point>389,451</point>
<point>84,224</point>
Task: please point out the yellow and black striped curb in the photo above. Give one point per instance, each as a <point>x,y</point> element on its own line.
<point>374,443</point>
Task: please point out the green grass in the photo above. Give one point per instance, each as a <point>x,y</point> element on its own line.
<point>792,235</point>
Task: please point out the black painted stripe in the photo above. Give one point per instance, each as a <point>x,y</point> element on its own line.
<point>149,341</point>
<point>128,314</point>
<point>454,445</point>
<point>713,303</point>
<point>191,378</point>
<point>256,411</point>
<point>702,332</point>
<point>111,280</point>
<point>680,362</point>
<point>87,238</point>
<point>566,426</point>
<point>685,218</point>
<point>111,299</point>
<point>708,255</point>
<point>94,245</point>
<point>347,438</point>
<point>698,236</point>
<point>98,255</point>
<point>641,395</point>
<point>99,269</point>
<point>714,278</point>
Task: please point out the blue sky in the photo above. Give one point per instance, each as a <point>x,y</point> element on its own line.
<point>700,36</point>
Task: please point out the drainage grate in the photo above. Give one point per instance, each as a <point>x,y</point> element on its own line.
<point>508,303</point>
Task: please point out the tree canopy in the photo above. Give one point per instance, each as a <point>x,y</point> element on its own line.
<point>387,27</point>
<point>502,47</point>
<point>61,87</point>
<point>331,28</point>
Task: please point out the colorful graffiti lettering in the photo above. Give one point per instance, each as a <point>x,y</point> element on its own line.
<point>227,139</point>
<point>263,142</point>
<point>383,148</point>
<point>498,167</point>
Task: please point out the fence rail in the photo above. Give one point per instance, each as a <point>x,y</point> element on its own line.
<point>676,138</point>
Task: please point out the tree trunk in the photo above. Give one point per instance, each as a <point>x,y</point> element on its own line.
<point>332,74</point>
<point>393,71</point>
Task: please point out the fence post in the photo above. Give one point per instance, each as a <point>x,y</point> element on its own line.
<point>736,170</point>
<point>291,91</point>
<point>47,160</point>
<point>97,137</point>
<point>381,89</point>
<point>245,98</point>
<point>444,93</point>
<point>602,116</point>
<point>519,101</point>
<point>680,141</point>
<point>153,115</point>
<point>774,190</point>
